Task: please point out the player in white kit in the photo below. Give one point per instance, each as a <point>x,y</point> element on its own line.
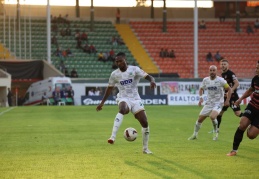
<point>216,87</point>
<point>126,79</point>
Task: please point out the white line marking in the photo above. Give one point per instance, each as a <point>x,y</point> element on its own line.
<point>1,113</point>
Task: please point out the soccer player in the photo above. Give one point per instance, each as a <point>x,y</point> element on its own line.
<point>232,81</point>
<point>126,78</point>
<point>250,118</point>
<point>215,86</point>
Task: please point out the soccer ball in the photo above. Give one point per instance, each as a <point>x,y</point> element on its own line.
<point>130,134</point>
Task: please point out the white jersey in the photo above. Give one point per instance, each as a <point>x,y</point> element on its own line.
<point>127,81</point>
<point>215,89</point>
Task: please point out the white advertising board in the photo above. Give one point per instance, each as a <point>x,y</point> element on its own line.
<point>177,87</point>
<point>191,99</point>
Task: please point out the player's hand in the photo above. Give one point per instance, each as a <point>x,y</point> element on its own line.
<point>152,85</point>
<point>99,107</point>
<point>237,103</point>
<point>200,102</point>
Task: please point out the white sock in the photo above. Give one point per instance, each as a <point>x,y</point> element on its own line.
<point>116,125</point>
<point>215,125</point>
<point>197,127</point>
<point>145,137</point>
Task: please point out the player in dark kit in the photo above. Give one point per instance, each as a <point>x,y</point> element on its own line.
<point>250,118</point>
<point>232,81</point>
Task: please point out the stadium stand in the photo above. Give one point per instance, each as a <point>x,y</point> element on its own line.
<point>240,48</point>
<point>136,48</point>
<point>86,64</point>
<point>4,52</point>
<point>37,35</point>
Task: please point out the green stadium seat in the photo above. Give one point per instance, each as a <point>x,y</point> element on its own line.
<point>51,101</point>
<point>86,64</point>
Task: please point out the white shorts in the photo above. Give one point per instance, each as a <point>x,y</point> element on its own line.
<point>134,105</point>
<point>207,109</point>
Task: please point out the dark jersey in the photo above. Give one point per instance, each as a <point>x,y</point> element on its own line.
<point>255,95</point>
<point>230,77</point>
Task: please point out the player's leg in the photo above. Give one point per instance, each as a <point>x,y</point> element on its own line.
<point>213,117</point>
<point>139,112</point>
<point>202,116</point>
<point>238,137</point>
<point>249,117</point>
<point>197,127</point>
<point>224,109</point>
<point>142,118</point>
<point>123,109</point>
<point>252,131</point>
<point>236,109</point>
<point>219,117</point>
<point>238,112</point>
<point>217,109</point>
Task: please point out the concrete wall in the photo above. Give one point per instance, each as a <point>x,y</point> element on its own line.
<point>50,71</point>
<point>5,83</point>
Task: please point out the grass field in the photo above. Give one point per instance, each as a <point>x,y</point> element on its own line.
<point>71,142</point>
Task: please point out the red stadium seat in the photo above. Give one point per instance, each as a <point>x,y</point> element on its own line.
<point>238,48</point>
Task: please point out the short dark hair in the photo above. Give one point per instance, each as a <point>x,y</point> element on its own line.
<point>121,54</point>
<point>224,60</point>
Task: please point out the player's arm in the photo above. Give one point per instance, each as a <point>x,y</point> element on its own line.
<point>235,86</point>
<point>229,92</point>
<point>201,91</point>
<point>151,79</point>
<point>106,95</point>
<point>245,95</point>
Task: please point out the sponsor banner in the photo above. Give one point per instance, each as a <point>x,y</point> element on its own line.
<point>169,87</point>
<point>174,87</point>
<point>146,99</point>
<point>243,86</point>
<point>184,99</point>
<point>95,100</point>
<point>154,99</point>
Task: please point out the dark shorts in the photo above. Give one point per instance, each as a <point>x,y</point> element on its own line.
<point>233,99</point>
<point>252,114</point>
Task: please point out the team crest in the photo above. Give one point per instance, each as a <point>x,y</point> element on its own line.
<point>130,74</point>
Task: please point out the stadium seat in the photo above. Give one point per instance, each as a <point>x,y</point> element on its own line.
<point>222,37</point>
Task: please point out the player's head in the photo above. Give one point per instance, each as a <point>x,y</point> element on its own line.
<point>120,60</point>
<point>224,65</point>
<point>213,71</point>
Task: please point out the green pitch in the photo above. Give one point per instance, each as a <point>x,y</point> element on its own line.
<point>71,142</point>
